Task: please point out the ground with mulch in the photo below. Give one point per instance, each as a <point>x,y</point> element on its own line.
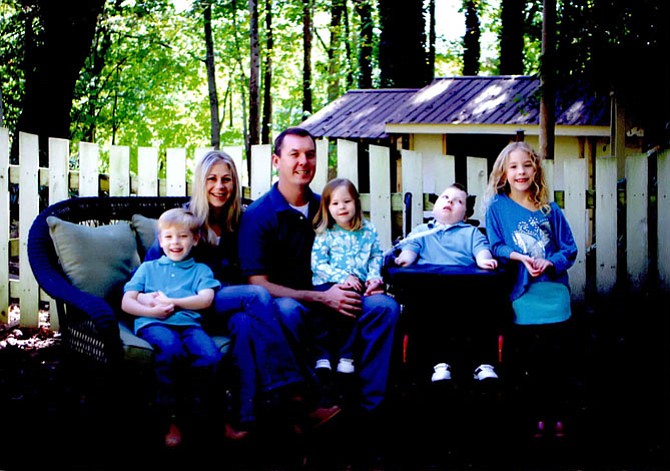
<point>620,421</point>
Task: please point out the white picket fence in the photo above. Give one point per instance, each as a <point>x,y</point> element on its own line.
<point>419,174</point>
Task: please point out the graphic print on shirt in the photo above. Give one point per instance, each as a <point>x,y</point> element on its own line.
<point>533,236</point>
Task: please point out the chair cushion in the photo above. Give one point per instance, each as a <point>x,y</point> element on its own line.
<point>146,229</point>
<point>97,260</point>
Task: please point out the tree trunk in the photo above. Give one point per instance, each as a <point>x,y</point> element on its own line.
<point>266,127</point>
<point>511,37</point>
<point>431,38</point>
<point>402,54</point>
<point>215,136</point>
<point>365,52</point>
<point>307,59</point>
<point>254,75</point>
<point>472,47</point>
<point>336,11</point>
<point>52,65</point>
<point>547,82</point>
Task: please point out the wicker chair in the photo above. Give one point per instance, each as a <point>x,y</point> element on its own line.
<point>92,327</point>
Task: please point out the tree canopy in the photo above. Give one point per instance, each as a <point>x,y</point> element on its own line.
<point>136,73</point>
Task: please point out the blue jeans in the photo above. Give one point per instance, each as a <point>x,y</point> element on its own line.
<point>260,351</point>
<point>375,328</point>
<point>174,348</point>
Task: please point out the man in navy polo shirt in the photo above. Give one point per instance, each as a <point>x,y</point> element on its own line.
<point>276,237</point>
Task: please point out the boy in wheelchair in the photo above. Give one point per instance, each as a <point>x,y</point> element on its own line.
<point>450,326</point>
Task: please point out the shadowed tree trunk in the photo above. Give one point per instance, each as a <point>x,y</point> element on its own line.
<point>402,54</point>
<point>215,134</point>
<point>336,12</point>
<point>307,58</point>
<point>364,10</point>
<point>511,37</point>
<point>53,61</point>
<point>547,81</point>
<point>254,76</point>
<point>266,127</point>
<point>472,47</point>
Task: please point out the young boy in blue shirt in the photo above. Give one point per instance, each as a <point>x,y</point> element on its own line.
<point>172,324</point>
<point>449,240</point>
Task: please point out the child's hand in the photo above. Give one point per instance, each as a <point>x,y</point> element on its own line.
<point>147,299</point>
<point>374,287</point>
<point>354,283</point>
<point>541,264</point>
<point>529,263</point>
<point>161,299</point>
<point>488,264</point>
<point>162,311</point>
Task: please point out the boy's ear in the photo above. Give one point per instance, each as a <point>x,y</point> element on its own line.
<point>196,238</point>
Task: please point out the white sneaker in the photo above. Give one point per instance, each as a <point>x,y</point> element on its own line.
<point>484,371</point>
<point>345,365</point>
<point>442,372</point>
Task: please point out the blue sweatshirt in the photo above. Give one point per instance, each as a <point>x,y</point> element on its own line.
<point>512,228</point>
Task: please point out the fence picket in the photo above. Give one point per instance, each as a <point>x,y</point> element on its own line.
<point>176,172</point>
<point>147,170</point>
<point>663,211</point>
<point>380,193</point>
<point>119,171</point>
<point>88,169</point>
<point>575,212</point>
<point>606,224</point>
<point>637,247</point>
<point>29,160</point>
<point>5,222</point>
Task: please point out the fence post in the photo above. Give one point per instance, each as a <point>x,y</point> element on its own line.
<point>412,182</point>
<point>574,171</point>
<point>119,171</point>
<point>28,208</point>
<point>663,211</point>
<point>176,172</point>
<point>147,171</point>
<point>4,222</point>
<point>606,224</point>
<point>380,193</point>
<point>88,169</point>
<point>637,229</point>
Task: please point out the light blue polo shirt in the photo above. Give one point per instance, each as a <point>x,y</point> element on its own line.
<point>176,280</point>
<point>439,244</point>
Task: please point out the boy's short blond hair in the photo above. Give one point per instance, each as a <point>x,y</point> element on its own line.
<point>180,217</point>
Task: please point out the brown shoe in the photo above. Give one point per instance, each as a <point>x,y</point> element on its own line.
<point>173,437</point>
<point>234,434</point>
<point>322,415</point>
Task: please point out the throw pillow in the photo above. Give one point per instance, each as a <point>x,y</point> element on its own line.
<point>97,260</point>
<point>146,229</point>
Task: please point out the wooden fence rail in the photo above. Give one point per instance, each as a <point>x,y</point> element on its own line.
<point>594,213</point>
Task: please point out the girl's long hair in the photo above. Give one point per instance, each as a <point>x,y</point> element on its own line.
<point>199,203</point>
<point>498,184</point>
<point>323,220</point>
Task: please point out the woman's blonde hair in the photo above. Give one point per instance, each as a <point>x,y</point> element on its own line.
<point>323,220</point>
<point>199,203</point>
<point>498,184</point>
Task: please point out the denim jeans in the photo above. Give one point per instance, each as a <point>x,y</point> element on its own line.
<point>373,346</point>
<point>260,351</point>
<point>174,348</point>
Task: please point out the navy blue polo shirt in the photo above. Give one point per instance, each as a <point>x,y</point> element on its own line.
<point>276,240</point>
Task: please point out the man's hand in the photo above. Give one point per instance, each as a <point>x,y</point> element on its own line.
<point>343,300</point>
